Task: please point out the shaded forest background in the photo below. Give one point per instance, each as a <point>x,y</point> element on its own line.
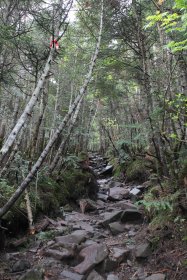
<point>129,104</point>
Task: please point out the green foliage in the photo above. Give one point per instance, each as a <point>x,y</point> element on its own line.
<point>156,205</point>
<point>70,161</point>
<point>159,206</point>
<point>46,235</point>
<point>6,191</point>
<point>174,23</point>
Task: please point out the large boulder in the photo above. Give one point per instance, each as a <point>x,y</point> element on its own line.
<point>92,256</point>
<point>111,217</point>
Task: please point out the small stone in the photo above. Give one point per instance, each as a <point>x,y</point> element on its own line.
<point>71,275</point>
<point>129,263</point>
<point>112,277</point>
<point>135,192</point>
<point>116,228</point>
<point>21,265</point>
<point>94,276</point>
<point>131,233</point>
<point>120,254</point>
<point>158,276</point>
<point>102,197</point>
<point>143,250</point>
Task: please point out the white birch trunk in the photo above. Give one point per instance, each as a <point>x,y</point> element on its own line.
<point>61,147</point>
<point>43,155</point>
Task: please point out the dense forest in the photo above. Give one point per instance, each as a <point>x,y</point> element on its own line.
<point>85,78</point>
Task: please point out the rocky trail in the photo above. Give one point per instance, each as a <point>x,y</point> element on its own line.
<point>100,240</point>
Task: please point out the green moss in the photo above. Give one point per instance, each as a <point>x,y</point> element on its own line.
<point>137,171</point>
<point>78,184</point>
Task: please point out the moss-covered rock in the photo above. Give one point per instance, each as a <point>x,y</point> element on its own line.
<point>79,184</point>
<point>137,171</point>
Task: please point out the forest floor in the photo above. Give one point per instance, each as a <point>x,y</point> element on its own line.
<point>109,239</point>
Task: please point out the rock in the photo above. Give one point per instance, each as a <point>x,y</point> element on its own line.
<point>112,277</point>
<point>124,205</point>
<point>141,273</point>
<point>83,226</point>
<point>100,204</point>
<point>85,233</point>
<point>59,254</point>
<point>94,276</point>
<point>131,233</point>
<point>33,274</point>
<point>131,215</point>
<point>107,170</point>
<point>71,275</point>
<point>143,250</point>
<point>158,276</point>
<point>103,197</point>
<point>135,192</point>
<point>68,208</point>
<point>75,216</point>
<point>111,217</point>
<point>120,254</point>
<point>21,265</point>
<point>116,228</point>
<point>87,205</point>
<point>118,193</point>
<point>76,238</point>
<point>114,184</point>
<point>102,182</point>
<point>89,242</point>
<point>42,225</point>
<point>92,255</point>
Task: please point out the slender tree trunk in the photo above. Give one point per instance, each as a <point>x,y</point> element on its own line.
<point>38,123</point>
<point>62,145</point>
